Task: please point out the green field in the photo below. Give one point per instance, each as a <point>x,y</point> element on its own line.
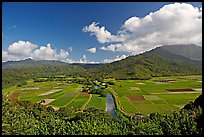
<point>78,102</point>
<point>97,102</point>
<point>157,98</point>
<point>62,101</point>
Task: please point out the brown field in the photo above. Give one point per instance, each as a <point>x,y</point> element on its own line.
<point>13,96</point>
<point>47,101</point>
<point>55,108</point>
<point>180,90</point>
<point>84,94</point>
<point>138,97</point>
<point>50,92</point>
<point>135,88</point>
<point>140,83</point>
<point>30,88</point>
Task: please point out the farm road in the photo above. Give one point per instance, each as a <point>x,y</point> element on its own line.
<point>90,97</point>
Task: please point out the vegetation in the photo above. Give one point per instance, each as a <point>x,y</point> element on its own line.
<point>26,118</point>
<point>33,91</point>
<point>17,74</point>
<point>143,66</point>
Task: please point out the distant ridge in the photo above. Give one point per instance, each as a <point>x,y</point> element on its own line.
<point>190,51</point>
<point>174,52</point>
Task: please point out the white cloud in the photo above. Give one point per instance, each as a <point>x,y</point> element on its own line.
<point>63,55</point>
<point>177,23</point>
<point>101,33</point>
<point>8,57</point>
<point>92,50</point>
<point>117,58</point>
<point>44,53</point>
<point>22,50</point>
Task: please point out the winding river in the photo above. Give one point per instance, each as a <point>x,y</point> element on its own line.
<point>110,106</point>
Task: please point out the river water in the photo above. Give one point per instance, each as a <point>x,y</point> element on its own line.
<point>110,106</point>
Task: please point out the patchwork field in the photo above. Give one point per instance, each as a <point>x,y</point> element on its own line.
<point>161,94</point>
<point>55,94</point>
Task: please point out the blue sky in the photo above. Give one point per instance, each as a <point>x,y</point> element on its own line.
<point>61,25</point>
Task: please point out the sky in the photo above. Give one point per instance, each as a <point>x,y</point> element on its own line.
<point>95,32</point>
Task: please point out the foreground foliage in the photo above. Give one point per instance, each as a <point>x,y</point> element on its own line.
<point>26,118</point>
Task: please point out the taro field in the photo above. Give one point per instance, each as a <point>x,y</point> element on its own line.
<point>161,94</point>
<point>56,94</point>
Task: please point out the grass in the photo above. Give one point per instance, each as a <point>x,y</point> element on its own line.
<point>179,99</point>
<point>97,102</point>
<point>78,102</point>
<point>62,101</point>
<point>162,103</point>
<point>161,108</point>
<point>128,106</point>
<point>123,87</point>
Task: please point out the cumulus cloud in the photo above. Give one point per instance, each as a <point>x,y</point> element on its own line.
<point>92,50</point>
<point>101,33</point>
<point>117,58</point>
<point>25,49</point>
<point>21,48</point>
<point>8,57</point>
<point>178,23</point>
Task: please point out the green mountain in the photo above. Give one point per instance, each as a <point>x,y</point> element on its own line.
<point>16,72</point>
<point>31,63</point>
<point>157,62</point>
<point>160,61</point>
<point>86,65</point>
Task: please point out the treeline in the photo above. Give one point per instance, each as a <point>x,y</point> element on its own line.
<point>26,118</point>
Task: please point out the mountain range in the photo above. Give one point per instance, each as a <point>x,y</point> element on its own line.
<point>162,61</point>
<point>166,60</point>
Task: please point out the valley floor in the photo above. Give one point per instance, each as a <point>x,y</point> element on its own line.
<point>159,94</point>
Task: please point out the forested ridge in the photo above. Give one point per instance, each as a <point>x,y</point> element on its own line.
<point>18,75</point>
<point>143,66</point>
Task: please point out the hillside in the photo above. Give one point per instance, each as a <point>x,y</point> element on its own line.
<point>31,63</point>
<point>174,57</point>
<point>190,51</point>
<point>19,71</point>
<point>157,62</point>
<point>86,65</point>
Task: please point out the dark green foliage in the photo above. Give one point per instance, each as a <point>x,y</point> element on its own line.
<point>26,118</point>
